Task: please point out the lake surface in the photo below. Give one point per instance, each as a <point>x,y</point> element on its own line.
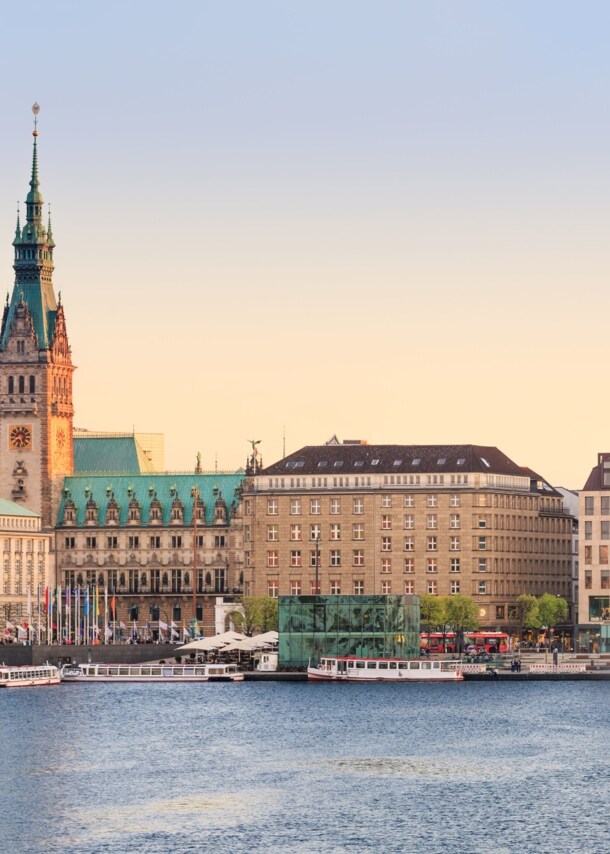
<point>472,768</point>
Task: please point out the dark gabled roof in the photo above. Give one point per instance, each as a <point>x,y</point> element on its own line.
<point>371,459</point>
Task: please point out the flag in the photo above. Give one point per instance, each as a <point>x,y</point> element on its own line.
<point>86,602</point>
<point>122,625</point>
<point>108,632</point>
<point>162,626</point>
<point>47,601</point>
<point>10,625</point>
<point>113,606</point>
<point>21,632</point>
<point>186,633</point>
<point>175,634</point>
<point>173,625</point>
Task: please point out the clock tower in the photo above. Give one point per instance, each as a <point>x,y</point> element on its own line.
<point>36,413</point>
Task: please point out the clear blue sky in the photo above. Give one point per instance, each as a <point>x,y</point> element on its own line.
<point>382,219</point>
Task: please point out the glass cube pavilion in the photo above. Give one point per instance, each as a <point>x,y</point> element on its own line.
<point>368,626</point>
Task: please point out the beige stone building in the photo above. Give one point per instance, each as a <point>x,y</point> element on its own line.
<point>405,519</point>
<point>594,566</point>
<point>26,566</point>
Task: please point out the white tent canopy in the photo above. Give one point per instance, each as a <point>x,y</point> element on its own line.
<point>212,642</point>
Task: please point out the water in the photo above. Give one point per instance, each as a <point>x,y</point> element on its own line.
<point>476,768</point>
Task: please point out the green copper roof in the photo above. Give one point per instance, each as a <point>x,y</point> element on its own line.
<point>118,454</point>
<point>10,508</point>
<point>33,269</point>
<point>145,488</point>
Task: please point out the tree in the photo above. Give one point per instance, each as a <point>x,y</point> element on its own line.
<point>551,610</point>
<point>255,612</point>
<point>462,616</point>
<point>431,612</point>
<point>527,613</point>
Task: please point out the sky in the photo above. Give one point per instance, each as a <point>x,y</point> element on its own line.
<point>286,220</point>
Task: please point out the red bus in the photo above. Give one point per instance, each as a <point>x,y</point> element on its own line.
<point>473,642</point>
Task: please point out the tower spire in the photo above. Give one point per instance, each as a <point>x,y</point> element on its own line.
<point>34,197</point>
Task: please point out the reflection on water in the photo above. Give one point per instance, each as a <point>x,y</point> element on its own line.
<point>480,768</point>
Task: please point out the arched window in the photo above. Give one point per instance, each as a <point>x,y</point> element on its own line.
<point>165,579</point>
<point>11,385</point>
<point>21,385</point>
<point>32,385</point>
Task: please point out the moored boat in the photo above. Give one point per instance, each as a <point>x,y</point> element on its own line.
<point>29,675</point>
<point>354,669</point>
<point>151,673</point>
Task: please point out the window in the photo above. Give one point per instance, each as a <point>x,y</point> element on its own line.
<point>431,565</point>
<point>454,587</point>
<point>91,542</point>
<point>409,501</point>
<point>358,557</point>
<point>588,554</point>
<point>386,565</point>
<point>358,506</point>
<point>409,564</point>
<point>295,557</point>
<point>335,587</point>
<point>409,544</point>
<point>386,500</point>
<point>588,579</point>
<point>314,558</point>
<point>431,544</point>
<point>273,588</point>
<point>589,505</point>
<point>603,554</point>
<point>482,521</point>
<point>605,509</point>
<point>272,533</point>
<point>386,544</point>
<point>454,544</point>
<point>295,587</point>
<point>432,588</point>
<point>112,542</point>
<point>386,523</point>
<point>386,588</point>
<point>358,531</point>
<point>272,507</point>
<point>314,588</point>
<point>454,500</point>
<point>335,531</point>
<point>482,564</point>
<point>454,564</point>
<point>335,506</point>
<point>295,532</point>
<point>70,543</point>
<point>155,542</point>
<point>454,521</point>
<point>335,557</point>
<point>431,521</point>
<point>176,541</point>
<point>295,507</point>
<point>432,501</point>
<point>409,588</point>
<point>605,579</point>
<point>272,558</point>
<point>482,588</point>
<point>358,587</point>
<point>482,544</point>
<point>314,506</point>
<point>499,612</point>
<point>314,532</point>
<point>409,522</point>
<point>604,530</point>
<point>133,542</point>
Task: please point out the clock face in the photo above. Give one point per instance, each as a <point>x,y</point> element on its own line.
<point>20,437</point>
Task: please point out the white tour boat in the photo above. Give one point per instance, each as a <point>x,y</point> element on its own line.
<point>354,669</point>
<point>25,677</point>
<point>151,673</point>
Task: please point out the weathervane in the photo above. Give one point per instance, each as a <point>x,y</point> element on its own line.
<point>35,110</point>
